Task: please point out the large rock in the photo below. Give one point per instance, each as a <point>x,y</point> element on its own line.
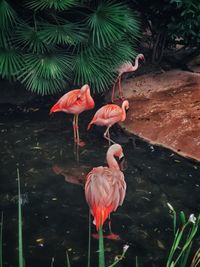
<point>165,110</point>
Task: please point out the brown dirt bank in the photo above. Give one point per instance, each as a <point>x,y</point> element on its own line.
<point>165,110</point>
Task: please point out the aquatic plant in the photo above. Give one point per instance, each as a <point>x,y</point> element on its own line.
<point>183,240</point>
<point>67,259</point>
<point>20,239</point>
<point>101,248</point>
<point>55,43</point>
<point>102,252</point>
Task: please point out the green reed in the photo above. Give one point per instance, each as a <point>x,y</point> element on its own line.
<point>20,240</point>
<point>1,241</point>
<point>67,259</point>
<point>183,240</point>
<point>101,248</point>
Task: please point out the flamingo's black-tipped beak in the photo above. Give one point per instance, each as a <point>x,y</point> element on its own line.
<point>143,60</point>
<point>123,164</point>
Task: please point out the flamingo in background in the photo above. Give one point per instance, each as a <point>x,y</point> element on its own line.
<point>109,115</point>
<point>75,102</point>
<point>124,68</point>
<point>105,188</point>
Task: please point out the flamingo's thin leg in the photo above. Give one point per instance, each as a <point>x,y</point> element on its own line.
<point>113,89</point>
<point>79,141</point>
<point>74,128</point>
<point>120,88</point>
<point>77,130</point>
<point>107,136</point>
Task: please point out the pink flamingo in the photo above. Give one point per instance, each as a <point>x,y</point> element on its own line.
<point>109,115</point>
<point>124,68</point>
<point>75,102</point>
<point>105,188</point>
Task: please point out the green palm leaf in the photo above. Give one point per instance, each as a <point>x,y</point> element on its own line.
<point>63,33</point>
<point>28,38</point>
<point>46,73</point>
<point>44,86</point>
<point>55,4</point>
<point>97,66</point>
<point>11,61</point>
<point>4,39</point>
<point>7,15</point>
<point>88,70</point>
<point>109,22</point>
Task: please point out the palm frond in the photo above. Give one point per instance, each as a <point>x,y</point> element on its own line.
<point>63,33</point>
<point>48,65</point>
<point>132,24</point>
<point>88,70</point>
<point>11,62</point>
<point>97,66</point>
<point>55,4</point>
<point>28,39</point>
<point>7,15</point>
<point>109,22</point>
<point>4,39</point>
<point>46,73</point>
<point>44,86</point>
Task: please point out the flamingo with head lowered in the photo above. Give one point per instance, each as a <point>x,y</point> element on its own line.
<point>109,115</point>
<point>105,188</point>
<point>75,102</point>
<point>124,68</point>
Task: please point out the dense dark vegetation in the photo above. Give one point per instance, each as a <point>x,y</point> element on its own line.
<point>49,45</point>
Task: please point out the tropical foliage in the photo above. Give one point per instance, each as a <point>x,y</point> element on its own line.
<point>185,25</point>
<point>53,43</point>
<point>169,22</point>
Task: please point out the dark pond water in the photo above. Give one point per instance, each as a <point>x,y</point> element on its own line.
<point>55,214</point>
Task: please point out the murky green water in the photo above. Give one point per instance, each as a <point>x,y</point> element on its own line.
<point>55,215</point>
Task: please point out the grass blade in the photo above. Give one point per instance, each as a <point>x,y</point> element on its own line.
<point>185,256</point>
<point>196,259</point>
<point>101,248</point>
<point>136,261</point>
<point>67,258</point>
<point>20,241</point>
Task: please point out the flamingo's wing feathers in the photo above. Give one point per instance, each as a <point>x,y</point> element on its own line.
<point>104,191</point>
<point>110,111</point>
<point>124,67</point>
<point>69,99</point>
<point>105,187</point>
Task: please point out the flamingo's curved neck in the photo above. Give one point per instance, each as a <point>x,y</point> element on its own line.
<point>135,67</point>
<point>123,112</point>
<point>89,99</point>
<point>112,163</point>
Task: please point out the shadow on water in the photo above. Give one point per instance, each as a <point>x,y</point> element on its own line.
<point>55,215</point>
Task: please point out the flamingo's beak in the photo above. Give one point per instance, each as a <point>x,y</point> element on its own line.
<point>143,59</point>
<point>123,163</point>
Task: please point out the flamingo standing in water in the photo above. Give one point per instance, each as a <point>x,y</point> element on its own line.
<point>105,188</point>
<point>109,115</point>
<point>75,102</point>
<point>124,68</point>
